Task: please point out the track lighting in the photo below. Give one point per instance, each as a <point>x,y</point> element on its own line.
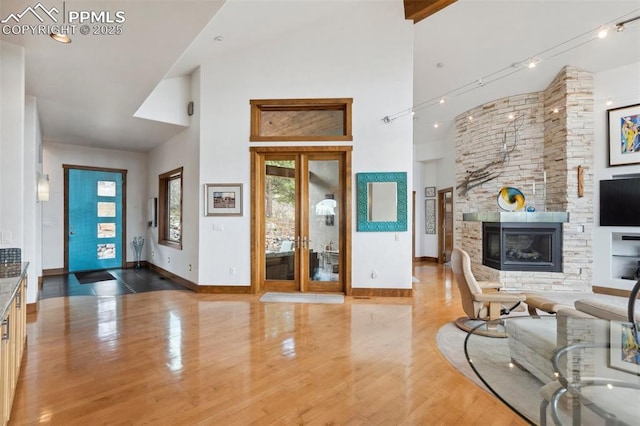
<point>530,63</point>
<point>603,32</point>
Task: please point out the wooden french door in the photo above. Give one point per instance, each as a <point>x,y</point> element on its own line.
<point>300,225</point>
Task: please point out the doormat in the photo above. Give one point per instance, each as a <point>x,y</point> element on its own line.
<point>302,298</point>
<point>93,277</point>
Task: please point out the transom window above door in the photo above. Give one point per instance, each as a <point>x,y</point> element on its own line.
<point>301,120</point>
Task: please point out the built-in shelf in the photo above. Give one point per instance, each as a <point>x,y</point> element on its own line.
<point>625,255</point>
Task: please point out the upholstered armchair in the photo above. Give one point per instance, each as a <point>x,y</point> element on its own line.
<point>480,301</point>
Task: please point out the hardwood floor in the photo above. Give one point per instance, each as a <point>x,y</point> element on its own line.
<point>181,358</point>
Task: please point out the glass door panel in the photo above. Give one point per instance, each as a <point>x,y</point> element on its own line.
<point>323,221</point>
<point>280,224</point>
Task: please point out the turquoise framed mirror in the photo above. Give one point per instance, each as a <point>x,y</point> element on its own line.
<point>382,201</point>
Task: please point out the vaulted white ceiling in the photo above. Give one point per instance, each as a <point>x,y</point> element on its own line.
<point>88,91</point>
<point>478,41</point>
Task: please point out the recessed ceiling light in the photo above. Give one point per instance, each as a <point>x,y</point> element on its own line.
<point>435,125</point>
<point>555,110</point>
<point>61,38</point>
<point>609,102</point>
<point>441,100</point>
<point>511,116</point>
<point>470,118</point>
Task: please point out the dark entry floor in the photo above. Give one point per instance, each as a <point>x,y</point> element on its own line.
<point>127,281</point>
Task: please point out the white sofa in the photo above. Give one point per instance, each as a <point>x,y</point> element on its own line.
<point>532,343</point>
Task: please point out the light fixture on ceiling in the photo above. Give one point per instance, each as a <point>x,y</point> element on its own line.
<point>442,100</point>
<point>532,62</point>
<point>436,125</point>
<point>603,32</point>
<point>609,102</point>
<point>43,187</point>
<point>620,26</point>
<point>60,38</point>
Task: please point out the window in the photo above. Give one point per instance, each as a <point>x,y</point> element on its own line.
<point>301,120</point>
<point>170,209</point>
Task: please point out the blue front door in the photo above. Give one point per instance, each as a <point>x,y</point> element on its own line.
<point>94,227</point>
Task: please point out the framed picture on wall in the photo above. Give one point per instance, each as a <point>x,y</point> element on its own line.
<point>430,216</point>
<point>624,135</point>
<point>223,199</point>
<point>624,353</point>
<point>430,191</point>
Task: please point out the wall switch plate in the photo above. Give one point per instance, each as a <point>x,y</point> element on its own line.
<point>7,237</point>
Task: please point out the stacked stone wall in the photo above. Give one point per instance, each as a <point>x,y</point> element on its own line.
<point>551,134</point>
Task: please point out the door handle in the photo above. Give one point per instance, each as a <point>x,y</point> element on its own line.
<point>305,242</point>
<point>298,242</point>
<point>5,331</point>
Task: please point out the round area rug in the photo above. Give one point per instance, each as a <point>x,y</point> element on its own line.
<point>450,341</point>
<point>523,391</point>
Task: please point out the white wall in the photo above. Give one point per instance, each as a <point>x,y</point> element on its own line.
<point>363,51</point>
<point>55,155</point>
<point>183,150</point>
<point>12,146</point>
<point>622,86</point>
<point>32,249</point>
<point>168,102</point>
<point>20,214</point>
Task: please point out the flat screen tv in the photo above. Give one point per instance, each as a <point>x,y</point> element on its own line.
<point>620,202</point>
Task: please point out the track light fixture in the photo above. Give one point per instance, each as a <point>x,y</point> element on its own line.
<point>552,52</point>
<point>603,32</point>
<point>620,26</point>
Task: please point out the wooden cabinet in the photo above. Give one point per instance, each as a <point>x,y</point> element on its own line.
<point>12,343</point>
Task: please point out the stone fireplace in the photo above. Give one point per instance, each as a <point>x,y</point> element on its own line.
<point>553,141</point>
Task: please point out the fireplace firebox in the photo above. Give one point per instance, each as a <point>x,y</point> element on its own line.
<point>518,246</point>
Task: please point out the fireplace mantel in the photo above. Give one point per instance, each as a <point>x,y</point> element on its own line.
<point>547,217</point>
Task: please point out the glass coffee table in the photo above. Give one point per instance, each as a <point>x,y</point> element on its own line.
<point>565,370</point>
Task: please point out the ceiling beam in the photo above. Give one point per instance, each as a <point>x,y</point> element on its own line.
<point>417,10</point>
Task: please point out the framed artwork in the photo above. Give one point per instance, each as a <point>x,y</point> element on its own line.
<point>430,191</point>
<point>624,352</point>
<point>430,216</point>
<point>624,135</point>
<point>223,199</point>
